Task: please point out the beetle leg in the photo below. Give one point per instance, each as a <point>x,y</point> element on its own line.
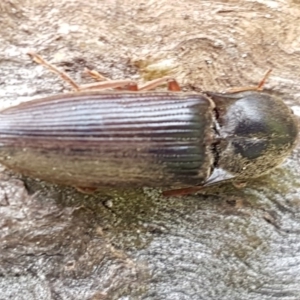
<point>264,79</point>
<point>183,191</point>
<point>105,83</point>
<point>116,84</point>
<point>85,190</point>
<point>38,59</point>
<point>171,83</point>
<point>130,85</point>
<point>259,87</point>
<point>127,84</point>
<point>239,184</point>
<point>96,75</point>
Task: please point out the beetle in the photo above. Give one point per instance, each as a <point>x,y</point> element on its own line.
<point>136,137</point>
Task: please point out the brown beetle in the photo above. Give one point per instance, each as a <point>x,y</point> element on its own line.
<point>90,139</point>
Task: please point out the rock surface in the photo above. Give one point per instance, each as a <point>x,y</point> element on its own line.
<point>225,244</point>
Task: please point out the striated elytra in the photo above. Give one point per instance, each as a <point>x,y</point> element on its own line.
<point>158,139</point>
